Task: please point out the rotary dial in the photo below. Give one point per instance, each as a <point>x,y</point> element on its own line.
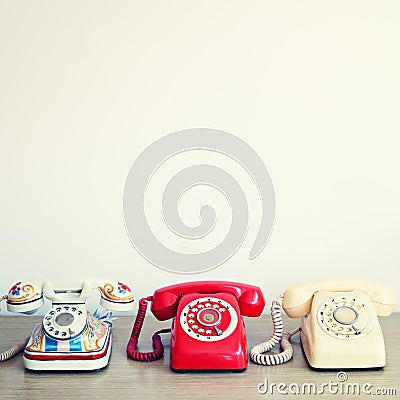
<point>345,317</point>
<point>208,319</point>
<point>65,321</point>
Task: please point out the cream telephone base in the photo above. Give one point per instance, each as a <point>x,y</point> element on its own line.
<point>340,328</point>
<point>69,338</point>
<point>348,334</point>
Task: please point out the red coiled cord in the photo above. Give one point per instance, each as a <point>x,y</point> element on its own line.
<point>158,348</point>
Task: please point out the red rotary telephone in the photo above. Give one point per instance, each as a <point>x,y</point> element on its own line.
<point>208,331</point>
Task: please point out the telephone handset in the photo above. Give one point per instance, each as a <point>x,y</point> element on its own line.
<point>340,328</point>
<point>69,337</point>
<point>207,331</point>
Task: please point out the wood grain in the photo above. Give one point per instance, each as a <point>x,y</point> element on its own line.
<point>124,378</point>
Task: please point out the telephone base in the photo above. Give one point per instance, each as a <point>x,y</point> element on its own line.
<point>88,352</point>
<point>324,359</point>
<point>185,371</point>
<point>68,365</point>
<point>326,350</point>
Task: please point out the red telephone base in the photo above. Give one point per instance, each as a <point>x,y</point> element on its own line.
<point>225,346</point>
<point>185,371</point>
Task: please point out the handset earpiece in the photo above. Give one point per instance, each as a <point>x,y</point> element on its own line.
<point>383,300</point>
<point>116,296</point>
<point>25,297</point>
<point>297,301</point>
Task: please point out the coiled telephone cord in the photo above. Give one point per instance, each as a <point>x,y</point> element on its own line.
<point>158,348</point>
<point>14,350</point>
<point>278,336</point>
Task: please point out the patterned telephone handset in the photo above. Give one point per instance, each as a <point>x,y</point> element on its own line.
<point>69,337</point>
<point>208,331</point>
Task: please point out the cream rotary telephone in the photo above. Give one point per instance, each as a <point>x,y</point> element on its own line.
<point>340,327</point>
<point>69,337</point>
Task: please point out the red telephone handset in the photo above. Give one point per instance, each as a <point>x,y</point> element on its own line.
<point>208,331</point>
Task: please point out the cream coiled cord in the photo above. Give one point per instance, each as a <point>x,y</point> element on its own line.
<point>278,336</point>
<point>14,350</point>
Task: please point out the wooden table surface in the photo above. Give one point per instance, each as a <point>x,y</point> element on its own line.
<point>124,378</point>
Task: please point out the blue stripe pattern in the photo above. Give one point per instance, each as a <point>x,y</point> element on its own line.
<point>74,344</point>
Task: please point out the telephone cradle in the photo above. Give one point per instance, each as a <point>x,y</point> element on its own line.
<point>69,337</point>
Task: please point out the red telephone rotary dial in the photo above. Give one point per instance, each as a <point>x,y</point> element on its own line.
<point>208,319</point>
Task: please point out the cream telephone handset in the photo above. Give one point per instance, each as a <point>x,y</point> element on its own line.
<point>339,329</point>
<point>69,337</point>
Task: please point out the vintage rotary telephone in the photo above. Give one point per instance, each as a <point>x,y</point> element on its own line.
<point>207,331</point>
<point>340,328</point>
<point>69,338</point>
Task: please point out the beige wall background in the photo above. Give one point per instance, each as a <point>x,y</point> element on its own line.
<point>313,86</point>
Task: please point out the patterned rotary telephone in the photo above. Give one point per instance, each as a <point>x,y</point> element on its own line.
<point>69,337</point>
<point>207,331</point>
